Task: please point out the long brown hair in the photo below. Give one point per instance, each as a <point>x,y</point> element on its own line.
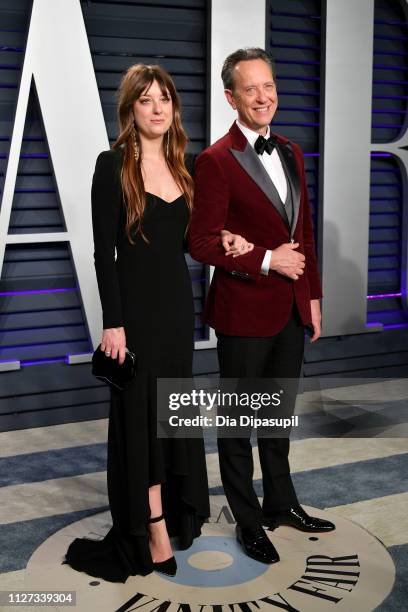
<point>135,82</point>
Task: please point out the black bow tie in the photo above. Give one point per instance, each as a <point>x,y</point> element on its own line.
<point>264,144</point>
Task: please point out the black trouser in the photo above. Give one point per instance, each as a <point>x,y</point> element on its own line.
<point>278,356</point>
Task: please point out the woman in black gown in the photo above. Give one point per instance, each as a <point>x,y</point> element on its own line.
<point>141,202</point>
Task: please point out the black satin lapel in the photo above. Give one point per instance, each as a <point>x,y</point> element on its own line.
<point>292,174</point>
<point>250,162</point>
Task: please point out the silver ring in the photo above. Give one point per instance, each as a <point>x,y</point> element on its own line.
<point>107,353</point>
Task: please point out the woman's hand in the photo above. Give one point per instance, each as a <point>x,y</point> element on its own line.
<point>114,343</point>
<point>234,244</point>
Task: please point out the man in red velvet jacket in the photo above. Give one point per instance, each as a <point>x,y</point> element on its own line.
<point>253,182</point>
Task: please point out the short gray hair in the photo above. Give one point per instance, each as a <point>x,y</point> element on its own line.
<point>243,55</point>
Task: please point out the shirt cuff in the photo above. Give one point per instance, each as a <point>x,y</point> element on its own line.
<point>266,262</point>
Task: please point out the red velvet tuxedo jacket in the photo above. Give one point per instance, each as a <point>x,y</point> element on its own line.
<point>233,191</point>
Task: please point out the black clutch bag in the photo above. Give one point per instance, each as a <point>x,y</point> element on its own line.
<point>111,372</point>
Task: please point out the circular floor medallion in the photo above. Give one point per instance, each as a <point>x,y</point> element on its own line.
<point>347,569</point>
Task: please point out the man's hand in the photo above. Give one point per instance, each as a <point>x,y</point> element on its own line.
<point>114,343</point>
<point>287,261</point>
<point>316,319</point>
<point>234,244</point>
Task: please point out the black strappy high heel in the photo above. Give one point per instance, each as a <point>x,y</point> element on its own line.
<point>169,566</point>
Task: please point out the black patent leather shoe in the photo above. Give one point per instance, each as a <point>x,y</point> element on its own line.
<point>296,517</point>
<point>256,544</point>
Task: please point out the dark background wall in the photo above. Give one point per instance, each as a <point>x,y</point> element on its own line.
<point>295,35</point>
<point>40,308</point>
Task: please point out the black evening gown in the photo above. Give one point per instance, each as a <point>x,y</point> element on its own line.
<point>148,291</point>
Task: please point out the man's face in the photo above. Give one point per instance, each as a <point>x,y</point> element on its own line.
<point>254,96</point>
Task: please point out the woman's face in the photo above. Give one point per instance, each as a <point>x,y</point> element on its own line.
<point>153,112</point>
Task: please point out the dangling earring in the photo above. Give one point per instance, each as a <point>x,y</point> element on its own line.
<point>167,143</point>
<point>135,145</point>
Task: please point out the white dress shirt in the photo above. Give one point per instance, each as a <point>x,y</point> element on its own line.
<point>273,166</point>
